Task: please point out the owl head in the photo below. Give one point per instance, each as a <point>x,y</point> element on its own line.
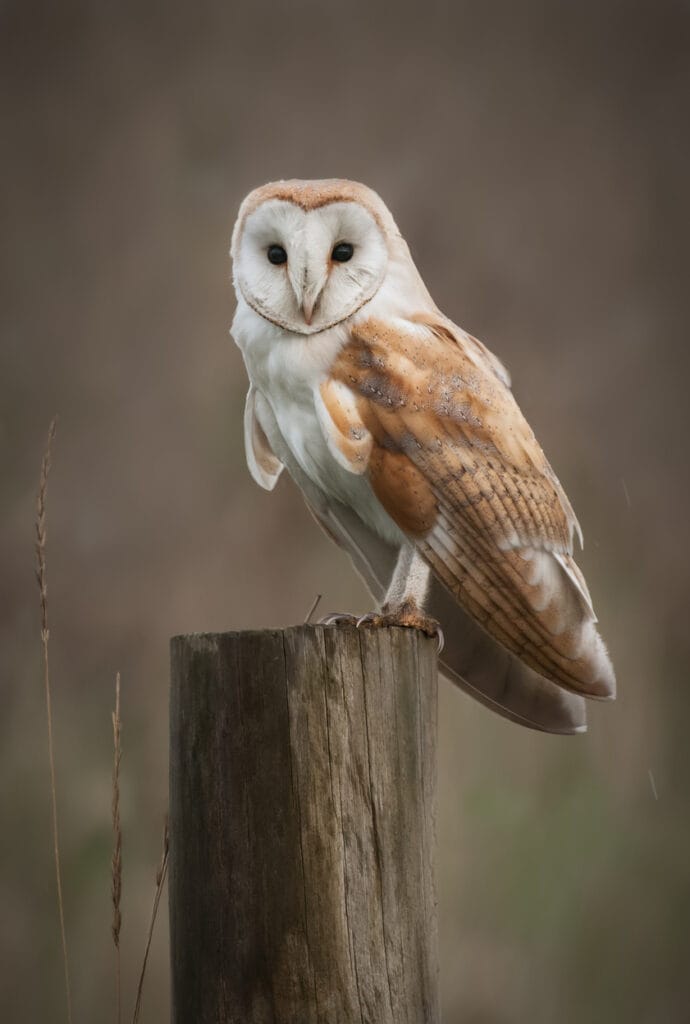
<point>308,254</point>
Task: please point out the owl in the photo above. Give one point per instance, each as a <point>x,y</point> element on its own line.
<point>403,435</point>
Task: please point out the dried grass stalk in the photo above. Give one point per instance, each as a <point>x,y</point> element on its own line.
<point>116,863</point>
<point>314,606</point>
<point>160,882</point>
<point>41,578</point>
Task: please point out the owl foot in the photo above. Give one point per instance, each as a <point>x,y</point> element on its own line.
<point>338,619</point>
<point>408,615</point>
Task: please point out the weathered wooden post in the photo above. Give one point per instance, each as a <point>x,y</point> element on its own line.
<point>302,805</point>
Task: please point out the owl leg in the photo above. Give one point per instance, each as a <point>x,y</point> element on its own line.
<point>404,601</point>
<point>410,580</point>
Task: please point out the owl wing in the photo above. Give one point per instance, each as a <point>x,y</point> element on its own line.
<point>263,464</point>
<point>471,658</point>
<point>429,418</point>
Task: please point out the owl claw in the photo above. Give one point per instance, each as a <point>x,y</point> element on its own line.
<point>338,619</point>
<point>408,618</point>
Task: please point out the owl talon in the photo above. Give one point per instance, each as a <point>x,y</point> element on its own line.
<point>371,619</point>
<point>409,619</point>
<point>338,619</point>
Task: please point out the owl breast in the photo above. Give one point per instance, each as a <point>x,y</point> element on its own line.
<point>287,372</point>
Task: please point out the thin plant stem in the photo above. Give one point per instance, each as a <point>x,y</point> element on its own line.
<point>45,635</point>
<point>314,606</point>
<point>160,882</point>
<point>116,863</point>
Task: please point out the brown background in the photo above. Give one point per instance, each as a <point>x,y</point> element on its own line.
<point>535,156</point>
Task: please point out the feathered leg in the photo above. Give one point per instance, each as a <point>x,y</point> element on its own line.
<point>403,604</point>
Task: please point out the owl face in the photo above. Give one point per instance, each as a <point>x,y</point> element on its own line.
<point>306,267</point>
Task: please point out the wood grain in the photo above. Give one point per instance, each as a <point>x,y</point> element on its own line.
<point>302,804</point>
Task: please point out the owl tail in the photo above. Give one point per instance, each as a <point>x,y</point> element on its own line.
<point>487,671</point>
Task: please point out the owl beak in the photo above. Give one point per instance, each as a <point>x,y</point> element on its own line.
<point>307,281</point>
<point>310,300</point>
<point>308,310</point>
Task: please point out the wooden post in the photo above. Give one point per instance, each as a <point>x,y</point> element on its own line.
<point>302,805</point>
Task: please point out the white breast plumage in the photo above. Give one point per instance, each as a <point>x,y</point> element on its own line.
<point>286,375</point>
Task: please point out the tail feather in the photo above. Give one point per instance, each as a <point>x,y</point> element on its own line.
<point>491,674</point>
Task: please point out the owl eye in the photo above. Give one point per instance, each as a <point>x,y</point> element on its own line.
<point>342,252</point>
<point>276,254</point>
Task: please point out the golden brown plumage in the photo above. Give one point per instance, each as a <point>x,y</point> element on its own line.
<point>456,466</point>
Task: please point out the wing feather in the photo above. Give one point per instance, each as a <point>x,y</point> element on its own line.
<point>263,464</point>
<point>497,527</point>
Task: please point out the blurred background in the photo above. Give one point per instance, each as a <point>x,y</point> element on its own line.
<point>535,156</point>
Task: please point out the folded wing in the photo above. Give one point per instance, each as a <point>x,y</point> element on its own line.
<point>454,463</point>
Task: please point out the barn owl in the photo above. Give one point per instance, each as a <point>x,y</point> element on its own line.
<point>403,435</point>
